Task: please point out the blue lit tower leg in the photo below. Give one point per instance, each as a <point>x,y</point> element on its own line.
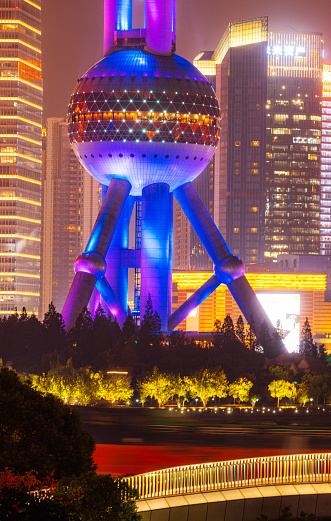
<point>156,219</point>
<point>115,272</point>
<point>90,266</point>
<point>229,270</point>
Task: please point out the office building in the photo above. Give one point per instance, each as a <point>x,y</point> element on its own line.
<point>70,198</point>
<point>325,226</point>
<point>293,143</point>
<point>21,94</point>
<point>267,167</point>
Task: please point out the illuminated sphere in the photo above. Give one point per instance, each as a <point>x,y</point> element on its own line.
<point>145,118</point>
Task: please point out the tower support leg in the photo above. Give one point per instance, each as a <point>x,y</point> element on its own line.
<point>116,274</point>
<point>90,266</point>
<point>156,250</point>
<point>229,270</point>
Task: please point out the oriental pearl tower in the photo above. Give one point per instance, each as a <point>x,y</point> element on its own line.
<point>145,122</point>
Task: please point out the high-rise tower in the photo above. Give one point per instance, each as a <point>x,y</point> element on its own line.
<point>239,66</point>
<point>325,227</point>
<point>21,91</point>
<point>293,143</point>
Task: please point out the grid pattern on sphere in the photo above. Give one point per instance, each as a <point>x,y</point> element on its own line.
<point>134,96</point>
<point>144,116</point>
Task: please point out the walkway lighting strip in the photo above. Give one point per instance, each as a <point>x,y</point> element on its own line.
<point>12,154</point>
<point>15,312</point>
<point>16,40</point>
<point>21,200</point>
<point>18,236</point>
<point>18,136</point>
<point>273,470</point>
<point>26,293</point>
<point>10,78</point>
<point>22,255</point>
<point>19,22</point>
<point>15,274</point>
<point>21,61</point>
<point>19,218</point>
<point>33,4</point>
<point>25,120</point>
<point>21,178</point>
<point>21,100</point>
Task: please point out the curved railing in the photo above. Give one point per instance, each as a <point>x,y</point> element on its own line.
<point>273,470</point>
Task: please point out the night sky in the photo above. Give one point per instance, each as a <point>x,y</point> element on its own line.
<point>73,33</point>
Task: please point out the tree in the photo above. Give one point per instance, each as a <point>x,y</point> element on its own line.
<point>157,385</point>
<point>206,383</point>
<point>114,387</point>
<point>240,330</point>
<point>150,328</point>
<point>60,381</point>
<point>239,389</point>
<point>319,385</point>
<point>43,435</point>
<point>54,329</point>
<point>84,498</point>
<point>307,345</point>
<point>280,372</point>
<point>303,394</point>
<point>281,389</point>
<point>180,388</point>
<point>251,340</point>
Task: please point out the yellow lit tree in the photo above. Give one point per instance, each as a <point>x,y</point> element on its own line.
<point>239,389</point>
<point>206,383</point>
<point>114,388</point>
<point>159,386</point>
<point>281,389</point>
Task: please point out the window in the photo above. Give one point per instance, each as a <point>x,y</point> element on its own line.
<point>255,143</point>
<point>253,230</point>
<point>235,230</point>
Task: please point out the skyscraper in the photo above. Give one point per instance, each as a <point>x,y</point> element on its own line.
<point>293,143</point>
<point>267,167</point>
<point>240,65</point>
<point>325,237</point>
<point>21,92</point>
<point>70,204</point>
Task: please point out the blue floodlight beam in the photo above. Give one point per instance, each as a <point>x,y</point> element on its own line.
<point>229,269</point>
<point>90,266</point>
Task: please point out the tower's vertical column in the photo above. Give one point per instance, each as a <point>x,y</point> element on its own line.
<point>117,17</point>
<point>116,274</point>
<point>156,249</point>
<point>159,24</point>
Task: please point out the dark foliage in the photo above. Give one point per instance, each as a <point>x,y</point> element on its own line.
<point>39,432</point>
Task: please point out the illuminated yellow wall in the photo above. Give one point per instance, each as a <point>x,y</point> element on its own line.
<point>311,288</point>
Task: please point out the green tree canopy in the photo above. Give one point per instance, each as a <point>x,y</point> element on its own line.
<point>319,385</point>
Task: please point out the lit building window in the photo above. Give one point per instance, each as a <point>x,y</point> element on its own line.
<point>255,143</point>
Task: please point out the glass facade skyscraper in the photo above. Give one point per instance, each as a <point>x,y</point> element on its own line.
<point>267,180</point>
<point>21,91</point>
<point>325,236</point>
<point>293,143</point>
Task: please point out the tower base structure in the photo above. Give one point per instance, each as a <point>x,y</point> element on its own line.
<point>105,262</point>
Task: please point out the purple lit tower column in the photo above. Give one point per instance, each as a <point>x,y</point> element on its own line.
<point>116,273</point>
<point>156,250</point>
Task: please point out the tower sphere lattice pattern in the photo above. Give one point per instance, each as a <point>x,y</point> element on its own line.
<point>145,118</point>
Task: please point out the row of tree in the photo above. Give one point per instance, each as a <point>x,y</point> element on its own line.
<point>100,343</point>
<point>85,386</point>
